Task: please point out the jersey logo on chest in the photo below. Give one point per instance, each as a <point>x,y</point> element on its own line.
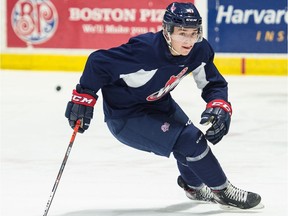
<point>170,84</point>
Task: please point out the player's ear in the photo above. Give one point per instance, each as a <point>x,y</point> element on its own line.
<point>166,34</point>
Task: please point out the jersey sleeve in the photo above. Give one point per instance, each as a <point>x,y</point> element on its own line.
<point>216,86</point>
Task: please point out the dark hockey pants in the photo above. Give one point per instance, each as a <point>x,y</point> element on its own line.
<point>196,162</point>
<point>162,135</point>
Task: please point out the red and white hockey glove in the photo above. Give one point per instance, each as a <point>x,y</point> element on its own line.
<point>81,107</point>
<point>218,113</point>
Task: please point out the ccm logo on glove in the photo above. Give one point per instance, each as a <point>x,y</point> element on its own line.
<point>218,112</point>
<point>81,107</point>
<point>83,99</point>
<point>220,103</point>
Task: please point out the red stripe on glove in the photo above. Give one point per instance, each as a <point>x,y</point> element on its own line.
<point>220,103</point>
<point>83,99</point>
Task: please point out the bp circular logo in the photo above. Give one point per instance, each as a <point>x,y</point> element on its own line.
<point>34,21</point>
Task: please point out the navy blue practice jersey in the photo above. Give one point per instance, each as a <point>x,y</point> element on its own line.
<point>137,77</point>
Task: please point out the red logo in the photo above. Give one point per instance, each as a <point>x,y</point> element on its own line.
<point>170,84</point>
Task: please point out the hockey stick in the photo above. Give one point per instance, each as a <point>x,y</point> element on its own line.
<point>76,128</point>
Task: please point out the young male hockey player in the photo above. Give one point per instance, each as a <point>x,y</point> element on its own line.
<point>136,79</point>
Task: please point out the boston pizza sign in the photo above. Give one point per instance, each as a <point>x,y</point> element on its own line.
<point>78,24</point>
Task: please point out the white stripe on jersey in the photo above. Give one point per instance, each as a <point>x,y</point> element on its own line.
<point>200,76</point>
<point>138,78</point>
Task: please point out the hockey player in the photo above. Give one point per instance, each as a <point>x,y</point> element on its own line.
<point>136,79</point>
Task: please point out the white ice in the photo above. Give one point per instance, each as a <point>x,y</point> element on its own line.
<point>105,178</point>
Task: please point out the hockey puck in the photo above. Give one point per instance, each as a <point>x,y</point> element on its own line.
<point>58,88</point>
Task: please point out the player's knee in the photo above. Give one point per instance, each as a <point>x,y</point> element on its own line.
<point>190,144</point>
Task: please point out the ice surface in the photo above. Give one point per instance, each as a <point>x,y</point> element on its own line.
<point>105,178</point>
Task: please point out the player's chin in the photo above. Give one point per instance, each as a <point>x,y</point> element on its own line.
<point>185,51</point>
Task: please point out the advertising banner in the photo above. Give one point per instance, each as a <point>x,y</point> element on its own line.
<point>89,24</point>
<point>245,26</point>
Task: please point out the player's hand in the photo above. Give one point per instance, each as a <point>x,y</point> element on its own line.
<point>81,107</point>
<point>218,113</point>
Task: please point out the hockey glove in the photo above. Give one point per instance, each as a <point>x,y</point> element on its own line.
<point>218,113</point>
<point>81,107</point>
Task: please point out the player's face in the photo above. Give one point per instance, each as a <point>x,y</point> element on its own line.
<point>183,40</point>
